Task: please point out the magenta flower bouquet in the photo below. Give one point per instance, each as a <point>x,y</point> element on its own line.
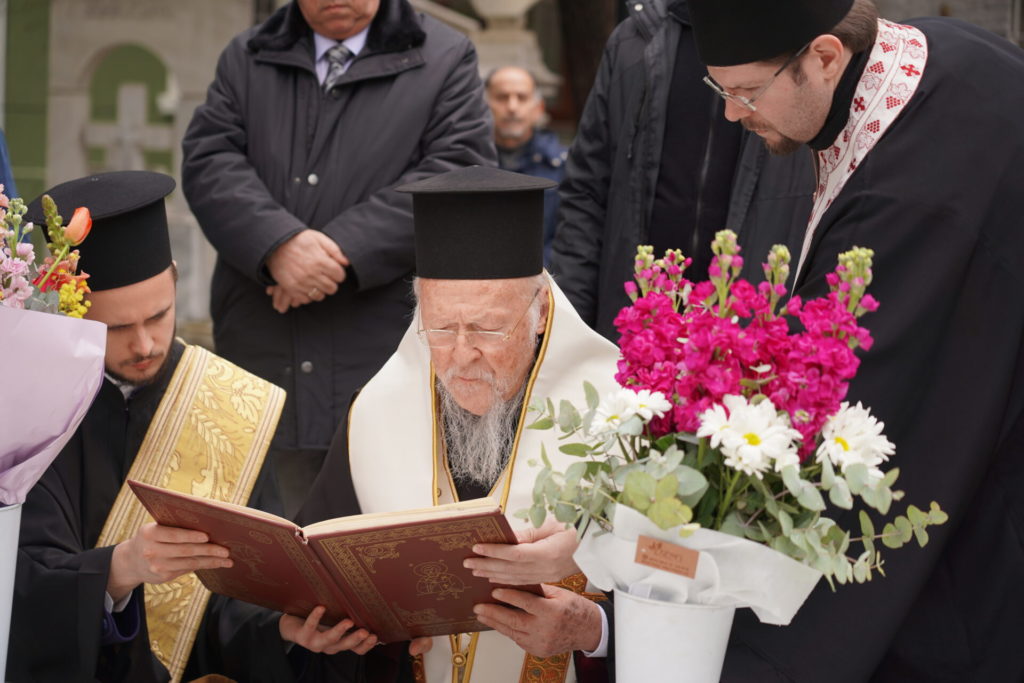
<point>702,483</point>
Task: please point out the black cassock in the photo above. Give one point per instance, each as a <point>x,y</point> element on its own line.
<point>940,199</point>
<point>58,628</point>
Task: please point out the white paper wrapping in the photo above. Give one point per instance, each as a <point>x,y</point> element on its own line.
<point>731,571</point>
<point>53,367</point>
<point>10,524</point>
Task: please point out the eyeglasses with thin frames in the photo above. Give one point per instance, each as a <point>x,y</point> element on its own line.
<point>444,339</point>
<point>748,102</point>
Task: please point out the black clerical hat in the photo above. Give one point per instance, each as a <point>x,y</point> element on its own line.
<point>731,32</point>
<point>129,241</point>
<point>479,223</point>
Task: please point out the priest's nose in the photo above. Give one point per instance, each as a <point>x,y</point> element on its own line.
<point>142,341</point>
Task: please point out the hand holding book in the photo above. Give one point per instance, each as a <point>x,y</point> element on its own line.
<point>397,575</point>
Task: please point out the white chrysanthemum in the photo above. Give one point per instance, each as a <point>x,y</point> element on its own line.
<point>620,406</point>
<point>853,436</point>
<point>753,438</point>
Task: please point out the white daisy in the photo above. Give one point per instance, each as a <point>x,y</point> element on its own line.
<point>852,436</point>
<point>753,438</point>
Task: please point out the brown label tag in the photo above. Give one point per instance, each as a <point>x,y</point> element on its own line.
<point>666,556</point>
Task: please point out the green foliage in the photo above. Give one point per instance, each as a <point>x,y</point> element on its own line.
<point>679,481</point>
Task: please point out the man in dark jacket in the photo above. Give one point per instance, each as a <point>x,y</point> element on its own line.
<point>312,119</point>
<point>654,162</point>
<point>523,147</point>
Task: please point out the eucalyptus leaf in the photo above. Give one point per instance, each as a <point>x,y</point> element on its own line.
<point>537,515</point>
<point>542,423</point>
<point>666,488</point>
<point>811,498</point>
<point>791,478</point>
<point>592,397</point>
<point>733,525</point>
<point>669,512</point>
<point>569,418</point>
<point>580,450</point>
<point>839,494</point>
<point>638,490</point>
<point>891,536</point>
<point>858,478</point>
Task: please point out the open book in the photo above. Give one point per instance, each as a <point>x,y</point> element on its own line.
<point>397,574</point>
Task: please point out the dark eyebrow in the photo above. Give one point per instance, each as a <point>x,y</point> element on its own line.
<point>152,318</point>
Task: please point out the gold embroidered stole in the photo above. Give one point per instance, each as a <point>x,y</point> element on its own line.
<point>208,437</point>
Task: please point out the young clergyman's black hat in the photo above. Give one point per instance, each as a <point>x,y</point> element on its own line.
<point>129,241</point>
<point>478,223</point>
<point>731,32</point>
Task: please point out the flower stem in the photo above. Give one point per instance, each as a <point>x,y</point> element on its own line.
<point>56,262</point>
<point>727,501</point>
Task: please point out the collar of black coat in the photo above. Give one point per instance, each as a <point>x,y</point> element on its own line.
<point>839,112</point>
<point>394,28</point>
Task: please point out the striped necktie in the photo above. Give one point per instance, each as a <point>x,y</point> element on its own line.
<point>337,57</point>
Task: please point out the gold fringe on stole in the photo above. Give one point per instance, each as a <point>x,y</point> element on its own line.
<point>208,438</point>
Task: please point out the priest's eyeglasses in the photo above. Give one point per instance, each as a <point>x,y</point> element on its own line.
<point>480,339</point>
<point>748,102</point>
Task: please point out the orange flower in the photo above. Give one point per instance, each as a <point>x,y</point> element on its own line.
<point>79,227</point>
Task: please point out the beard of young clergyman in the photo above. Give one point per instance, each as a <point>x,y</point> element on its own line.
<point>158,354</point>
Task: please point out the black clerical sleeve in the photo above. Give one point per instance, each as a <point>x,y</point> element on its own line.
<point>58,614</point>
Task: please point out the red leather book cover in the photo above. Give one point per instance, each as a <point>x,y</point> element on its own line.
<point>400,575</point>
<point>273,566</point>
<point>407,577</point>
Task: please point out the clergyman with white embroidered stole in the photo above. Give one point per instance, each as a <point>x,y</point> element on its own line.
<point>101,592</point>
<point>444,419</point>
<point>915,130</point>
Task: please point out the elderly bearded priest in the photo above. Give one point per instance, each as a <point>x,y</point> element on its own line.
<point>99,595</point>
<point>444,418</point>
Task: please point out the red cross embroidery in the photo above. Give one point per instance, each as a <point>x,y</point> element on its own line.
<point>915,42</point>
<point>853,166</point>
<point>877,68</point>
<point>858,104</point>
<point>910,70</point>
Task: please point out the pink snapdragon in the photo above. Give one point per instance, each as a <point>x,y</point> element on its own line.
<point>697,343</point>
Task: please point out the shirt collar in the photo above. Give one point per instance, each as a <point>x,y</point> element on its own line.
<point>355,44</point>
<point>125,388</point>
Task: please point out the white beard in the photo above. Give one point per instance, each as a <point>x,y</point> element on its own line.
<point>478,446</point>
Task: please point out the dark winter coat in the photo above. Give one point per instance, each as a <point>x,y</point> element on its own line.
<point>269,154</point>
<point>612,170</point>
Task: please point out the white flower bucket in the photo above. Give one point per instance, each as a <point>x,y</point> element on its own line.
<point>660,641</point>
<point>10,524</point>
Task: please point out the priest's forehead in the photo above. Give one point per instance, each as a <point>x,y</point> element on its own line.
<point>473,300</point>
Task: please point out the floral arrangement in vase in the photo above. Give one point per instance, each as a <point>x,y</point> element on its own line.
<point>730,451</point>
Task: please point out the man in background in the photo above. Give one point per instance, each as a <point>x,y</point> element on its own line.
<point>654,162</point>
<point>290,166</point>
<point>523,146</point>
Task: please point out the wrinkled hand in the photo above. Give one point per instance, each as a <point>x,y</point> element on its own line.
<point>543,555</point>
<point>316,638</point>
<point>156,554</point>
<point>560,621</point>
<point>307,267</point>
